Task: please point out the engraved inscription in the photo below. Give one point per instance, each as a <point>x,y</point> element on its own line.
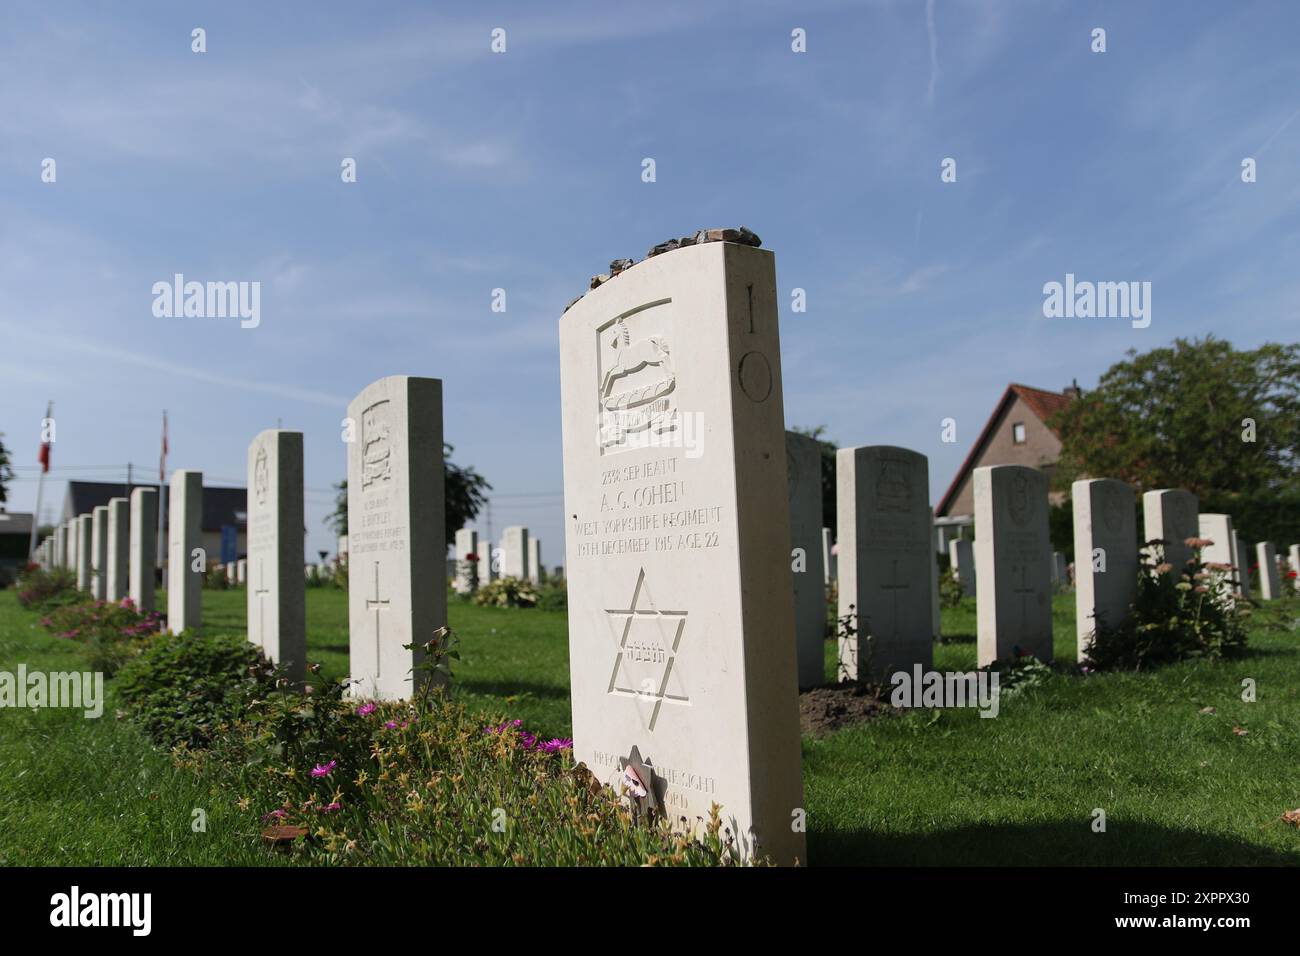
<point>376,445</point>
<point>646,655</point>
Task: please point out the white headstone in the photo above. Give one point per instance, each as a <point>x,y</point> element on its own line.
<point>61,546</point>
<point>241,572</point>
<point>804,478</point>
<point>466,570</point>
<point>98,551</point>
<point>342,548</point>
<point>487,571</point>
<point>535,568</point>
<point>883,511</point>
<point>829,558</point>
<point>85,574</point>
<point>678,541</point>
<point>184,538</point>
<point>277,602</point>
<point>1295,564</point>
<point>117,549</point>
<point>1060,570</point>
<point>396,540</point>
<point>1169,515</point>
<point>143,547</point>
<point>1105,555</point>
<point>514,552</point>
<point>1014,554</point>
<point>75,551</point>
<point>1241,561</point>
<point>961,555</point>
<point>1270,582</point>
<point>936,615</point>
<point>1217,529</point>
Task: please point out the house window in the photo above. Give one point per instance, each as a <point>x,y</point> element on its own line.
<point>1018,433</point>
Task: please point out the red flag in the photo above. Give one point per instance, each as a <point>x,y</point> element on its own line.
<point>162,461</point>
<point>44,456</point>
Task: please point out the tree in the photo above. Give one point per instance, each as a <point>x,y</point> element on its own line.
<point>6,471</point>
<point>828,471</point>
<point>463,488</point>
<point>1199,415</point>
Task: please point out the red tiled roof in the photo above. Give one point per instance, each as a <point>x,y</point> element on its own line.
<point>1042,403</point>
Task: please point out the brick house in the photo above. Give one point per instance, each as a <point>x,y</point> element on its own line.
<point>1015,434</point>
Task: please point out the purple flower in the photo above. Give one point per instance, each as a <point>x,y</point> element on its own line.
<point>390,725</point>
<point>331,807</point>
<point>274,815</point>
<point>323,770</point>
<point>557,743</point>
<point>365,710</point>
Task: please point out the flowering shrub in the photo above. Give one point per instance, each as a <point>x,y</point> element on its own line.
<point>506,592</point>
<point>422,782</point>
<point>1178,613</point>
<point>41,590</point>
<point>112,632</point>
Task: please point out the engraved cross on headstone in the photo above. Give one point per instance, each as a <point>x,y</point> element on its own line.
<point>261,592</point>
<point>376,604</point>
<point>1024,590</point>
<point>893,588</point>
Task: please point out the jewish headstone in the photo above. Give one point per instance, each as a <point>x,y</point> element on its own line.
<point>1105,555</point>
<point>277,601</point>
<point>184,538</point>
<point>1014,554</point>
<point>143,547</point>
<point>395,532</point>
<point>118,553</point>
<point>804,479</point>
<point>466,571</point>
<point>1270,582</point>
<point>883,511</point>
<point>85,572</point>
<point>678,543</point>
<point>961,555</point>
<point>1170,515</point>
<point>514,552</point>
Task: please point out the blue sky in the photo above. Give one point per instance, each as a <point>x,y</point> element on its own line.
<point>522,171</point>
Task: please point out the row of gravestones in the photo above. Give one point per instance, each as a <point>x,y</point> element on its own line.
<point>680,506</point>
<point>112,550</point>
<point>476,562</point>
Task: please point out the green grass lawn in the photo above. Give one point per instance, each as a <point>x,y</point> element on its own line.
<point>929,787</point>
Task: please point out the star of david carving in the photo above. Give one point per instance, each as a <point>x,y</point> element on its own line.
<point>644,633</point>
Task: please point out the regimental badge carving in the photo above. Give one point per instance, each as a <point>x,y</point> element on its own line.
<point>648,640</point>
<point>261,475</point>
<point>1112,512</point>
<point>376,445</point>
<point>636,379</point>
<point>1019,502</point>
<point>893,487</point>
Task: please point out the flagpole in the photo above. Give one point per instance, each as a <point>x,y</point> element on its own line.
<point>40,483</point>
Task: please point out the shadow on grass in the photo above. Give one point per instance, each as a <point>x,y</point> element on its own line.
<point>1044,844</point>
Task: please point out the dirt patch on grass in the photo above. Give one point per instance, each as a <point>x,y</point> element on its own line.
<point>835,706</point>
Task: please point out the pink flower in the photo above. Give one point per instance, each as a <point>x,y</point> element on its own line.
<point>331,807</point>
<point>323,770</point>
<point>390,725</point>
<point>365,710</point>
<point>274,815</point>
